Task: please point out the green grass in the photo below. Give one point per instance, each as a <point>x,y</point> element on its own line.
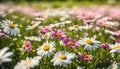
<point>57,4</point>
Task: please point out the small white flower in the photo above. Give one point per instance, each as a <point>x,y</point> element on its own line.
<point>9,27</point>
<point>63,58</point>
<point>4,55</point>
<point>90,43</point>
<point>75,28</point>
<point>46,35</point>
<point>67,22</point>
<point>86,27</point>
<point>115,48</point>
<point>34,25</point>
<point>113,66</point>
<point>110,23</point>
<point>108,31</point>
<point>46,49</point>
<point>79,67</point>
<point>28,63</point>
<point>33,38</point>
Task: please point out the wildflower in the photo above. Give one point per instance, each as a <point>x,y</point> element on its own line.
<point>86,56</point>
<point>28,63</point>
<point>115,48</point>
<point>106,23</point>
<point>4,55</point>
<point>10,28</point>
<point>44,30</point>
<point>46,49</point>
<point>70,42</point>
<point>79,67</point>
<point>33,38</point>
<point>35,24</point>
<point>88,21</point>
<point>27,45</point>
<point>113,66</point>
<point>116,33</point>
<point>2,34</point>
<point>46,35</point>
<point>105,45</point>
<point>86,27</point>
<point>74,27</point>
<point>63,58</point>
<point>90,43</point>
<point>58,34</point>
<point>117,40</point>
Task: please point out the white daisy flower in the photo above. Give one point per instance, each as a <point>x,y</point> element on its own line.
<point>46,49</point>
<point>90,43</point>
<point>9,27</point>
<point>79,67</point>
<point>115,48</point>
<point>86,27</point>
<point>63,58</point>
<point>4,55</point>
<point>34,25</point>
<point>67,22</point>
<point>108,31</point>
<point>54,25</point>
<point>28,63</point>
<point>33,38</point>
<point>113,66</point>
<point>109,23</point>
<point>60,24</point>
<point>46,35</point>
<point>75,27</point>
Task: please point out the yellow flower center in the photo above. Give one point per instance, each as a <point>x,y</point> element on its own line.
<point>46,47</point>
<point>34,26</point>
<point>27,63</point>
<point>89,42</point>
<point>58,34</point>
<point>87,56</point>
<point>45,35</point>
<point>11,25</point>
<point>112,67</point>
<point>70,43</point>
<point>40,31</point>
<point>33,50</point>
<point>0,57</point>
<point>75,26</point>
<point>104,24</point>
<point>62,57</point>
<point>116,47</point>
<point>26,44</point>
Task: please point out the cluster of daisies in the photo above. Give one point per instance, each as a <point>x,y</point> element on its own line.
<point>64,44</point>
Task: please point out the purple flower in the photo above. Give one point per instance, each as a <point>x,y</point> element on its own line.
<point>58,34</point>
<point>86,57</point>
<point>71,43</point>
<point>27,45</point>
<point>44,30</point>
<point>116,33</point>
<point>105,45</point>
<point>2,34</point>
<point>117,40</point>
<point>88,21</point>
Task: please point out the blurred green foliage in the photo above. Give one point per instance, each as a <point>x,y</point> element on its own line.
<point>52,0</point>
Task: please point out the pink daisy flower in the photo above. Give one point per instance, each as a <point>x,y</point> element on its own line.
<point>58,34</point>
<point>70,42</point>
<point>27,45</point>
<point>44,30</point>
<point>86,57</point>
<point>105,45</point>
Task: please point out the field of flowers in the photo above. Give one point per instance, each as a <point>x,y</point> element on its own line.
<point>59,38</point>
